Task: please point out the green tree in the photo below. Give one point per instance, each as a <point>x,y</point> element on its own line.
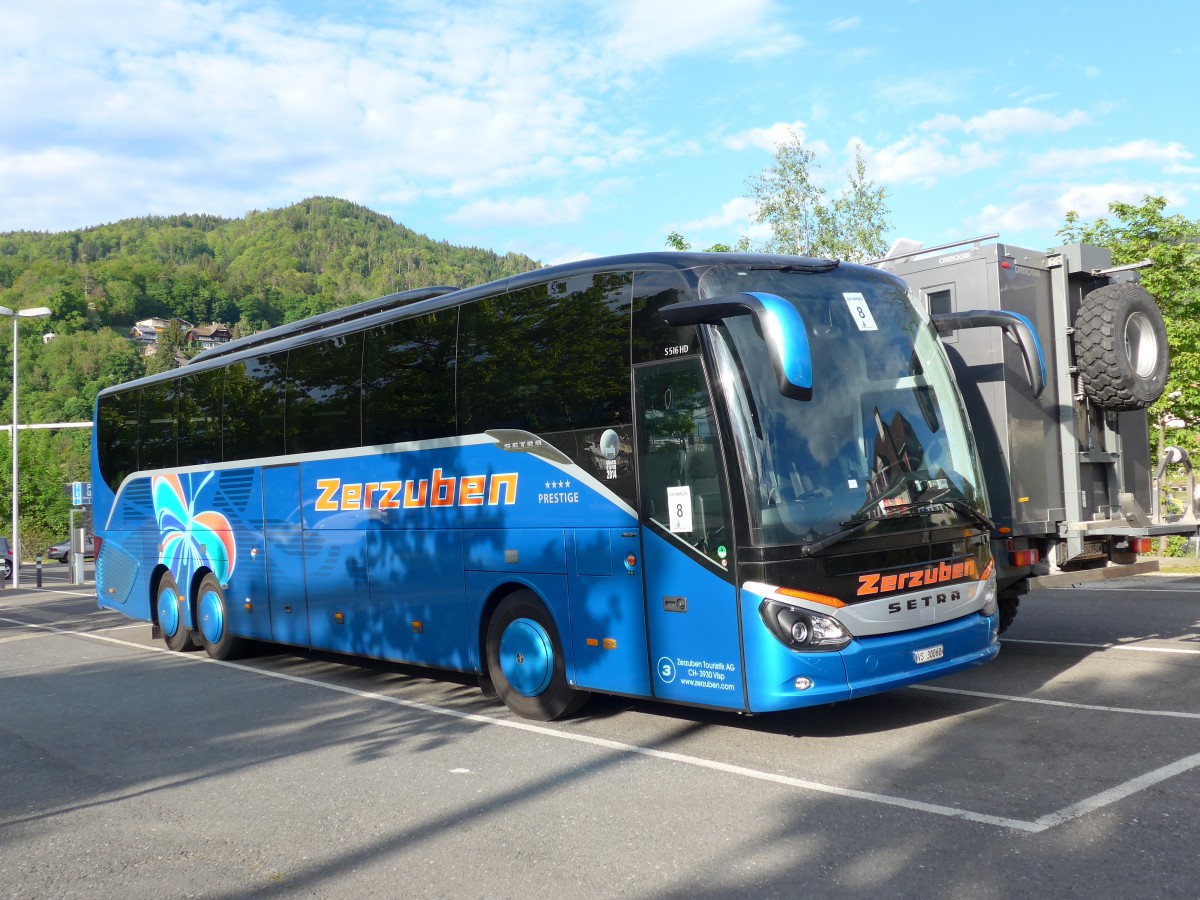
<point>803,220</point>
<point>676,242</point>
<point>791,202</point>
<point>804,223</point>
<point>170,345</point>
<point>858,218</point>
<point>1172,242</point>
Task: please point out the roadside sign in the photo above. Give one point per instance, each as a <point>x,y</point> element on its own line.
<point>81,493</point>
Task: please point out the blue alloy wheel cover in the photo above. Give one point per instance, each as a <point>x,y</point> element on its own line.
<point>168,612</point>
<point>212,616</point>
<point>528,641</point>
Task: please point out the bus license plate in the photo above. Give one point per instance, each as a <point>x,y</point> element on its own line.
<point>929,654</point>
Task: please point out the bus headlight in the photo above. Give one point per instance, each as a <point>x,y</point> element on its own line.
<point>803,629</point>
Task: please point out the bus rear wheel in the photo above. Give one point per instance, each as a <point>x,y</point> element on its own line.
<point>174,615</point>
<point>212,621</point>
<point>525,660</point>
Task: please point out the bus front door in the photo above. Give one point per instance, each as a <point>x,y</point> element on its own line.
<point>691,598</point>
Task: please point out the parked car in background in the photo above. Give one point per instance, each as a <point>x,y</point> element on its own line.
<point>62,550</point>
<point>8,563</point>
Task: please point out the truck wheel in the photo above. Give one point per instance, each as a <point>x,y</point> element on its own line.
<point>1121,347</point>
<point>1008,603</point>
<point>525,660</point>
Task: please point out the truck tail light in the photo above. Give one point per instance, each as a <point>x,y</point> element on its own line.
<point>1023,557</point>
<point>1140,545</point>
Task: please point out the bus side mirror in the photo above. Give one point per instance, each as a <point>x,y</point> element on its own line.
<point>1015,325</point>
<point>780,322</point>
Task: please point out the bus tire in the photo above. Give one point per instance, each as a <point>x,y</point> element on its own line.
<point>174,615</point>
<point>525,660</point>
<point>1121,347</point>
<point>212,621</point>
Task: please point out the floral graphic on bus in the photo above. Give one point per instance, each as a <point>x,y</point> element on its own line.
<point>190,538</point>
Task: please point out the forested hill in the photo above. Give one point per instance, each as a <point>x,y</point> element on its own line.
<point>261,270</point>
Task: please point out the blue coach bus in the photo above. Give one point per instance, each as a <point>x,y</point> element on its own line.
<point>733,481</point>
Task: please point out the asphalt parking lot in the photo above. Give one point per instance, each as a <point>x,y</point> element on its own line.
<point>1069,765</point>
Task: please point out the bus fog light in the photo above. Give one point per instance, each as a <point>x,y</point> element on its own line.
<point>803,684</point>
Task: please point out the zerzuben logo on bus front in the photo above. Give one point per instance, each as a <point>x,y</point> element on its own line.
<point>878,583</point>
<point>438,491</point>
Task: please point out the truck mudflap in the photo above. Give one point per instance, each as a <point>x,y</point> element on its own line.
<point>1084,576</point>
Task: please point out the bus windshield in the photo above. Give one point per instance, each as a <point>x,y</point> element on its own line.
<point>884,433</point>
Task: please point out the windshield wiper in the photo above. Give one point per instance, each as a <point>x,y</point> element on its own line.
<point>852,526</point>
<point>817,546</point>
<point>910,511</point>
<point>961,506</point>
<point>816,265</point>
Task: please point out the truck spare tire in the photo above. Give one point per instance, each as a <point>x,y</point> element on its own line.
<point>1121,347</point>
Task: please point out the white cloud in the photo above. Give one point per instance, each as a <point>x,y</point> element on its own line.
<point>529,211</point>
<point>920,90</point>
<point>682,148</point>
<point>209,104</point>
<point>1131,151</point>
<point>925,159</point>
<point>1000,123</point>
<point>1042,207</point>
<point>771,137</point>
<point>650,33</point>
<point>845,24</point>
<point>562,254</point>
<point>738,211</point>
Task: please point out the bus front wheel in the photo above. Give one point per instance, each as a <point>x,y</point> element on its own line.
<point>212,621</point>
<point>174,618</point>
<point>525,660</point>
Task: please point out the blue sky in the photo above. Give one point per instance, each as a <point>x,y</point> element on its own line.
<point>572,129</point>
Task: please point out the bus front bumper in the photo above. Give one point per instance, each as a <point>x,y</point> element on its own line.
<point>780,678</point>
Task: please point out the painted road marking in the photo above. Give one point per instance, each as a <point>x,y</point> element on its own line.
<point>1139,647</point>
<point>1091,707</point>
<point>1043,823</point>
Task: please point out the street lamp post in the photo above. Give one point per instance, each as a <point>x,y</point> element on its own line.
<point>38,312</point>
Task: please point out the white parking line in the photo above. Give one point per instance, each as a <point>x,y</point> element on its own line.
<point>1138,647</point>
<point>1095,586</point>
<point>984,695</point>
<point>1041,824</point>
<point>45,590</point>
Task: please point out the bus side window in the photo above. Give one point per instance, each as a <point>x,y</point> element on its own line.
<point>408,379</point>
<point>323,396</point>
<point>117,436</point>
<point>252,407</point>
<point>157,426</point>
<point>200,417</point>
<point>553,359</point>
